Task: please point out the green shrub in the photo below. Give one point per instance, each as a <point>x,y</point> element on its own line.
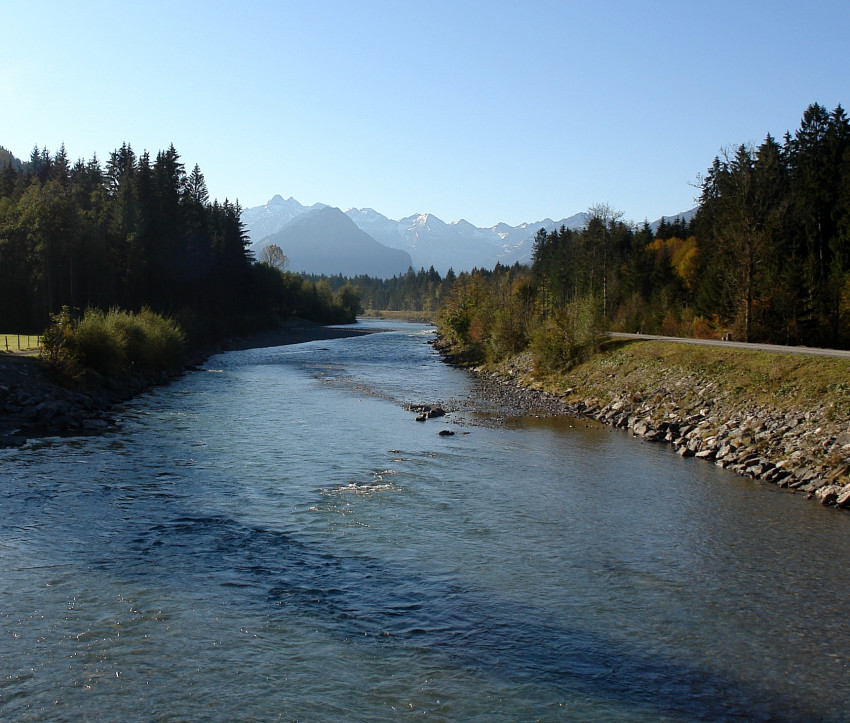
<point>100,343</point>
<point>547,346</point>
<point>156,343</point>
<point>113,343</point>
<point>568,337</point>
<point>57,340</point>
<point>508,335</point>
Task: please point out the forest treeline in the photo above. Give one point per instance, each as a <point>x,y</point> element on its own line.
<point>414,291</point>
<point>138,232</point>
<point>765,258</point>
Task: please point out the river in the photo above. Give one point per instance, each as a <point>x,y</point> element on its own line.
<point>275,538</point>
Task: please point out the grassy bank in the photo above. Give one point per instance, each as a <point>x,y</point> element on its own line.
<point>741,377</point>
<point>19,342</point>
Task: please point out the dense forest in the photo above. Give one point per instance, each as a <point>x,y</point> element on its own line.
<point>766,258</point>
<point>414,291</point>
<point>137,232</point>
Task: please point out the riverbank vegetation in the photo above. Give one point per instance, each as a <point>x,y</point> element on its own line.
<point>422,317</point>
<point>766,257</point>
<point>114,344</point>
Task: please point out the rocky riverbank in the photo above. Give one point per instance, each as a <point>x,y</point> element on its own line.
<point>34,402</point>
<point>783,436</point>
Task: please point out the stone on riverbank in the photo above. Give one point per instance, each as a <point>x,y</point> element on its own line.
<point>425,411</point>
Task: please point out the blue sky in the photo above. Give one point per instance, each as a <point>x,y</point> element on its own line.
<point>490,111</point>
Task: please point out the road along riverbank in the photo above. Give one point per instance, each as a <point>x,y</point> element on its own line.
<point>780,418</point>
<point>34,402</point>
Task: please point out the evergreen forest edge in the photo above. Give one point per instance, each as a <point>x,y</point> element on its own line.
<point>109,255</point>
<point>765,258</point>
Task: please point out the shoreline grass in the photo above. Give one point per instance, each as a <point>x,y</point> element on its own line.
<point>757,377</point>
<point>19,342</point>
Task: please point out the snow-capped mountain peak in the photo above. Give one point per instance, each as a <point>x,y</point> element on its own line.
<point>430,241</point>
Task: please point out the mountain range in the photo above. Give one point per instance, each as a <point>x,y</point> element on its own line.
<point>426,239</point>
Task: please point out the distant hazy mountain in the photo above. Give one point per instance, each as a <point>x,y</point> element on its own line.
<point>458,245</point>
<point>262,221</point>
<point>428,240</point>
<point>326,241</point>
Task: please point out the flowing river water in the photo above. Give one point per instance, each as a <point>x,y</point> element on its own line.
<point>275,537</point>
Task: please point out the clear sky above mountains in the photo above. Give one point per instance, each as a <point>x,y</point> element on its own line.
<point>491,111</point>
